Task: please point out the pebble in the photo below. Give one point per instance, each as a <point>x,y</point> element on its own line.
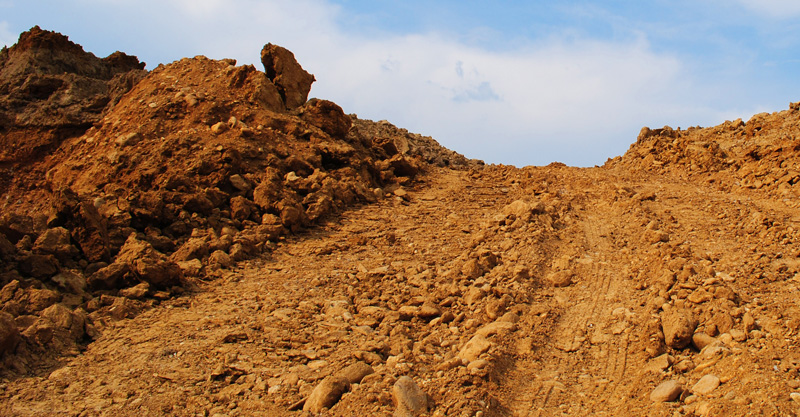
<point>795,396</point>
<point>666,391</point>
<point>356,372</point>
<point>560,278</point>
<point>706,385</point>
<point>474,348</point>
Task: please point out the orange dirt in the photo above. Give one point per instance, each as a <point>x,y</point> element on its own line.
<point>664,283</point>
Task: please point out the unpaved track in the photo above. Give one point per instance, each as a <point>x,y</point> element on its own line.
<point>257,340</point>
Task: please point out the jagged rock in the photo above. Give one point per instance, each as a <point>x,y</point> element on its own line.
<point>87,227</point>
<point>55,241</point>
<point>282,69</point>
<point>148,264</point>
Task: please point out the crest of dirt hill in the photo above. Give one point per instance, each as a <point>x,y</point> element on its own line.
<point>762,153</point>
<point>123,184</point>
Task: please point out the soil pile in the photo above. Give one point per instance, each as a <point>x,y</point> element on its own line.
<point>762,154</point>
<point>216,244</point>
<point>122,182</point>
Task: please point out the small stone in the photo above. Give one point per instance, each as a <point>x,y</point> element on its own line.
<point>238,182</point>
<point>706,385</point>
<point>496,327</point>
<point>356,372</point>
<point>219,127</point>
<point>701,340</point>
<point>795,396</point>
<point>326,394</point>
<point>136,292</point>
<point>660,363</point>
<point>738,335</point>
<point>666,391</point>
<point>560,278</point>
<point>409,399</point>
<point>128,139</point>
<point>477,366</point>
<point>474,348</point>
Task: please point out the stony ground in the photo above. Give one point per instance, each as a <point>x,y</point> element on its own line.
<point>498,291</point>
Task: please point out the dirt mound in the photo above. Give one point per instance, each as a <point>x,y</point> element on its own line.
<point>128,186</point>
<point>204,248</point>
<point>761,154</point>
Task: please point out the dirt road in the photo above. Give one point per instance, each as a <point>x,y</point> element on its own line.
<point>574,300</point>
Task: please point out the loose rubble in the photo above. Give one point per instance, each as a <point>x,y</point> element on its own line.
<point>202,239</point>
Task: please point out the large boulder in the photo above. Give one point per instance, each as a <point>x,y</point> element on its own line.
<point>293,82</point>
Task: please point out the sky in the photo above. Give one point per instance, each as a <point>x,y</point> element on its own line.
<point>511,82</point>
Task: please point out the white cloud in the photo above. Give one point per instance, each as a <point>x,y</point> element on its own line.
<point>564,98</point>
<point>781,9</point>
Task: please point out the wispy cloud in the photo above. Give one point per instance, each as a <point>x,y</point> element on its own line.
<point>779,9</point>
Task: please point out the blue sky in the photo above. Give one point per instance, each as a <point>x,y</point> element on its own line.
<point>514,82</point>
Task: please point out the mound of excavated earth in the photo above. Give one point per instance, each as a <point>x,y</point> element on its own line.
<point>210,242</point>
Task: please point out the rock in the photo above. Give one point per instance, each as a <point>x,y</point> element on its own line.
<point>220,259</point>
<point>356,372</point>
<point>496,308</point>
<point>128,139</point>
<point>748,322</point>
<point>238,182</point>
<point>38,266</point>
<point>738,335</point>
<point>476,346</point>
<point>70,281</point>
<point>148,264</point>
<point>496,327</point>
<point>113,276</point>
<point>560,278</point>
<point>656,236</point>
<point>87,227</point>
<point>409,399</point>
<point>9,335</point>
<point>701,340</point>
<point>795,396</point>
<point>666,391</point>
<point>137,292</point>
<point>287,75</point>
<point>478,366</point>
<point>678,326</point>
<point>706,385</point>
<point>327,116</point>
<point>39,299</point>
<point>63,318</point>
<point>471,269</point>
<point>660,363</point>
<point>194,248</point>
<point>326,394</point>
<point>219,127</point>
<point>429,310</point>
<point>55,241</point>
